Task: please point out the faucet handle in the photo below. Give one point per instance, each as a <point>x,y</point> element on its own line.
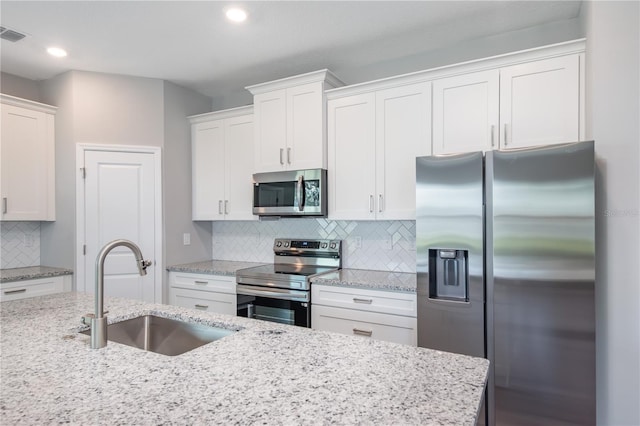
<point>86,319</point>
<point>145,263</point>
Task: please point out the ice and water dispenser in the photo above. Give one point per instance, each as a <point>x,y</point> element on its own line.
<point>449,276</point>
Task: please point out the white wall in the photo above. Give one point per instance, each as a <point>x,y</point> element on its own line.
<point>613,104</point>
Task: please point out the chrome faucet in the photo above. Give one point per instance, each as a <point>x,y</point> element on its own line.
<point>99,320</point>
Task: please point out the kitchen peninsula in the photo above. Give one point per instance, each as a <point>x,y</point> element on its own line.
<point>264,373</point>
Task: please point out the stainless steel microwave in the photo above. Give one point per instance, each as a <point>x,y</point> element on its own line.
<point>290,193</point>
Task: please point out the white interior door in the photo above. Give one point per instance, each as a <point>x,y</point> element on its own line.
<point>120,202</point>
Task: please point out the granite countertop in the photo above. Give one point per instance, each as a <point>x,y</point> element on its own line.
<point>373,280</point>
<point>31,273</point>
<point>265,373</point>
<point>213,267</point>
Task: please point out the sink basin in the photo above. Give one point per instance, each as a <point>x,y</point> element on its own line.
<point>162,335</point>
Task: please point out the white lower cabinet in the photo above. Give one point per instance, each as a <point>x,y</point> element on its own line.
<point>212,293</point>
<point>376,314</point>
<point>37,287</point>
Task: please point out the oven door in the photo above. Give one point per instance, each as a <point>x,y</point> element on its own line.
<point>274,304</point>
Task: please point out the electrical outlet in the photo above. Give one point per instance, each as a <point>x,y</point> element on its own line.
<point>186,239</point>
<point>357,242</point>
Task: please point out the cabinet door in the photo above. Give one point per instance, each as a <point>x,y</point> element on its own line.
<point>403,132</point>
<point>351,171</point>
<point>207,149</point>
<point>27,164</point>
<point>306,143</point>
<point>238,204</point>
<point>540,102</point>
<point>466,112</point>
<point>270,129</point>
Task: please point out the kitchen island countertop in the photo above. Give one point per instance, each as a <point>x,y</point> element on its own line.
<point>264,373</point>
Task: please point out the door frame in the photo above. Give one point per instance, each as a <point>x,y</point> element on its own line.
<point>81,149</point>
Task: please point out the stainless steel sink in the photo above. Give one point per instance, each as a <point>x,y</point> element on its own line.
<point>162,335</point>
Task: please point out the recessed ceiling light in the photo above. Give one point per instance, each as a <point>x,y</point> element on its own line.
<point>236,15</point>
<point>57,52</point>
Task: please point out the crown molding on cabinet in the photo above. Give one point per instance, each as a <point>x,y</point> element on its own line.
<point>219,115</point>
<point>312,77</point>
<point>493,62</point>
<point>25,103</point>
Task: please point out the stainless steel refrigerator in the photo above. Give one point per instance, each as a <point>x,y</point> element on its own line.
<point>506,270</point>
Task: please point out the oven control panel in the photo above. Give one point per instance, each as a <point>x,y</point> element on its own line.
<point>285,244</point>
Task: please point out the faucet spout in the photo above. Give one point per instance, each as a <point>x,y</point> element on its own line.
<point>99,320</point>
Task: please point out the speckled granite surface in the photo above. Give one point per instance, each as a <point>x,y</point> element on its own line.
<point>265,373</point>
<point>374,280</point>
<point>214,267</point>
<point>31,273</point>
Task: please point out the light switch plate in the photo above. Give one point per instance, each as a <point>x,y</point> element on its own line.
<point>186,239</point>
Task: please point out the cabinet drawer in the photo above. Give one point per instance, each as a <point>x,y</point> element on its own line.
<point>391,328</point>
<point>222,303</point>
<point>31,288</point>
<point>218,283</point>
<point>386,302</point>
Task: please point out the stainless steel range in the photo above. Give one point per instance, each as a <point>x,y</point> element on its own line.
<point>281,292</point>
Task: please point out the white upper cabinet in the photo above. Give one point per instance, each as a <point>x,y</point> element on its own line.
<point>537,101</point>
<point>222,146</point>
<point>466,112</point>
<point>290,122</point>
<point>374,139</point>
<point>540,102</point>
<point>27,165</point>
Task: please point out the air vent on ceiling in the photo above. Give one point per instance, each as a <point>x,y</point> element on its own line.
<point>10,35</point>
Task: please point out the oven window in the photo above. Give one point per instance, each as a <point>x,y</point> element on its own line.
<point>275,310</point>
<point>274,194</point>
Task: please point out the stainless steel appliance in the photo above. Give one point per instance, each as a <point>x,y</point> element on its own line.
<point>281,292</point>
<point>290,193</point>
<point>505,263</point>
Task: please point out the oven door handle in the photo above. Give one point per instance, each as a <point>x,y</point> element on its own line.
<point>274,293</point>
<point>300,190</point>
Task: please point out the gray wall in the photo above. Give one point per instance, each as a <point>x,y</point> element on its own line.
<point>123,110</point>
<point>613,98</point>
<point>180,103</point>
<point>20,87</point>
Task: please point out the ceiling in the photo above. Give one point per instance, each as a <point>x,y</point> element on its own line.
<point>192,44</point>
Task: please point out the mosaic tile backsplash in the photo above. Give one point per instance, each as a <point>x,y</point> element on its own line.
<point>376,245</point>
<point>20,243</point>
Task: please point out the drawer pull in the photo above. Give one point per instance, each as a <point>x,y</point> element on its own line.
<point>22,290</point>
<point>201,282</point>
<point>365,301</point>
<point>202,306</point>
<point>359,332</point>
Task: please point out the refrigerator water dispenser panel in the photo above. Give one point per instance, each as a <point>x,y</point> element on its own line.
<point>449,277</point>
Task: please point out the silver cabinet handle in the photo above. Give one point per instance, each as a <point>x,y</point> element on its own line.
<point>4,205</point>
<point>300,192</point>
<point>202,306</point>
<point>281,160</point>
<point>370,203</point>
<point>493,135</point>
<point>380,199</point>
<point>506,134</point>
<point>201,282</point>
<point>226,206</point>
<point>219,206</point>
<point>365,301</point>
<point>360,332</point>
<point>22,290</point>
<point>288,155</point>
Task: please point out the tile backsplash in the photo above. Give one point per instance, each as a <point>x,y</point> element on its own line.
<point>376,245</point>
<point>20,243</point>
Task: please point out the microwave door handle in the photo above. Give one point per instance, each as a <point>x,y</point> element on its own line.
<point>300,191</point>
